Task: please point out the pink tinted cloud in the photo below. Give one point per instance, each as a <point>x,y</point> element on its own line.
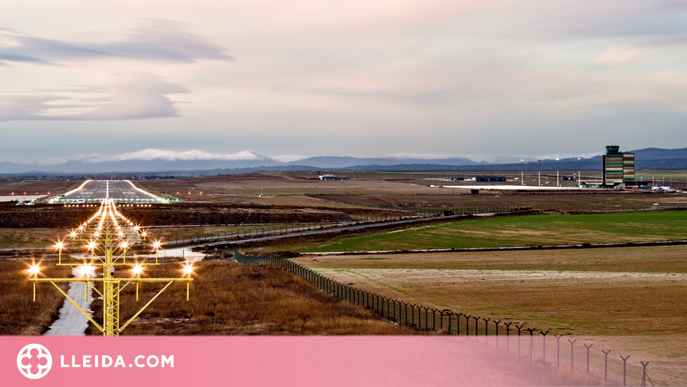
<point>618,54</point>
<point>128,96</point>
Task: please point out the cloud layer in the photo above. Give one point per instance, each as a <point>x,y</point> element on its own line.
<point>151,40</point>
<point>129,96</point>
<point>486,79</point>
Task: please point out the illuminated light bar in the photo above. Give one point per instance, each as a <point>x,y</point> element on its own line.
<point>76,189</point>
<point>145,192</point>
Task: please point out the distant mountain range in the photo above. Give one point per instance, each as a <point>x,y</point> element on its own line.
<point>157,162</point>
<point>153,160</point>
<point>348,162</point>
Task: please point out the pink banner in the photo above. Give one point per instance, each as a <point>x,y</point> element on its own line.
<point>256,361</point>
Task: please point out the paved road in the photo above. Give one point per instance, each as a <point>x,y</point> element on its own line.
<point>331,230</point>
<point>96,190</point>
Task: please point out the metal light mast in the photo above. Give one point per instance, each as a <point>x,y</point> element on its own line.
<point>522,172</point>
<point>108,235</point>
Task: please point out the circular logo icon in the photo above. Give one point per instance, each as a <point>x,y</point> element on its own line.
<point>34,361</point>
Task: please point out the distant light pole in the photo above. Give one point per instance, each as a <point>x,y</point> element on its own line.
<point>558,184</point>
<point>540,172</point>
<point>522,172</point>
<point>579,174</point>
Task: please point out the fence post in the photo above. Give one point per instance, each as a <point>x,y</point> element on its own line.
<point>624,367</point>
<point>467,324</point>
<point>476,326</point>
<point>572,353</point>
<point>585,345</point>
<point>644,375</point>
<point>426,308</point>
<point>558,349</point>
<point>519,328</point>
<point>544,351</point>
<point>531,351</point>
<point>606,364</point>
<point>508,335</point>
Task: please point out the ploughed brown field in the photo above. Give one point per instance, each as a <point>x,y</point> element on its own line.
<point>373,190</point>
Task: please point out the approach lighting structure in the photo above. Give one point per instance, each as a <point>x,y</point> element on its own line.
<point>108,235</point>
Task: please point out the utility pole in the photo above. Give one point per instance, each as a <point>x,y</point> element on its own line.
<point>540,172</point>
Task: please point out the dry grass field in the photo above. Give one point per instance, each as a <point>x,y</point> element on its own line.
<point>234,299</point>
<point>30,237</point>
<point>20,315</point>
<point>630,299</point>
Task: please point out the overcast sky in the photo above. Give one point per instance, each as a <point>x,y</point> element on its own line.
<point>479,79</point>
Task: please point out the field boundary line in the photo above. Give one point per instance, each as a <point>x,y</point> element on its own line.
<point>505,248</point>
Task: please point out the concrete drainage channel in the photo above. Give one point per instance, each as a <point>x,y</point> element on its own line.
<point>71,322</point>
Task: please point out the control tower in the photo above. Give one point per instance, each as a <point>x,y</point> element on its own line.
<point>618,167</point>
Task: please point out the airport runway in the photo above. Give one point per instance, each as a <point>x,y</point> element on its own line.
<point>97,190</point>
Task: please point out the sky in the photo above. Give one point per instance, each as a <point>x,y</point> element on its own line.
<point>487,80</point>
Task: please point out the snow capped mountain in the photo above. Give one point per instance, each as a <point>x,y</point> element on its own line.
<point>152,154</point>
<point>147,160</point>
<point>157,160</point>
<point>347,162</point>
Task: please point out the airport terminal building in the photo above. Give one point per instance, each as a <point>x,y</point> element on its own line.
<point>618,167</point>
